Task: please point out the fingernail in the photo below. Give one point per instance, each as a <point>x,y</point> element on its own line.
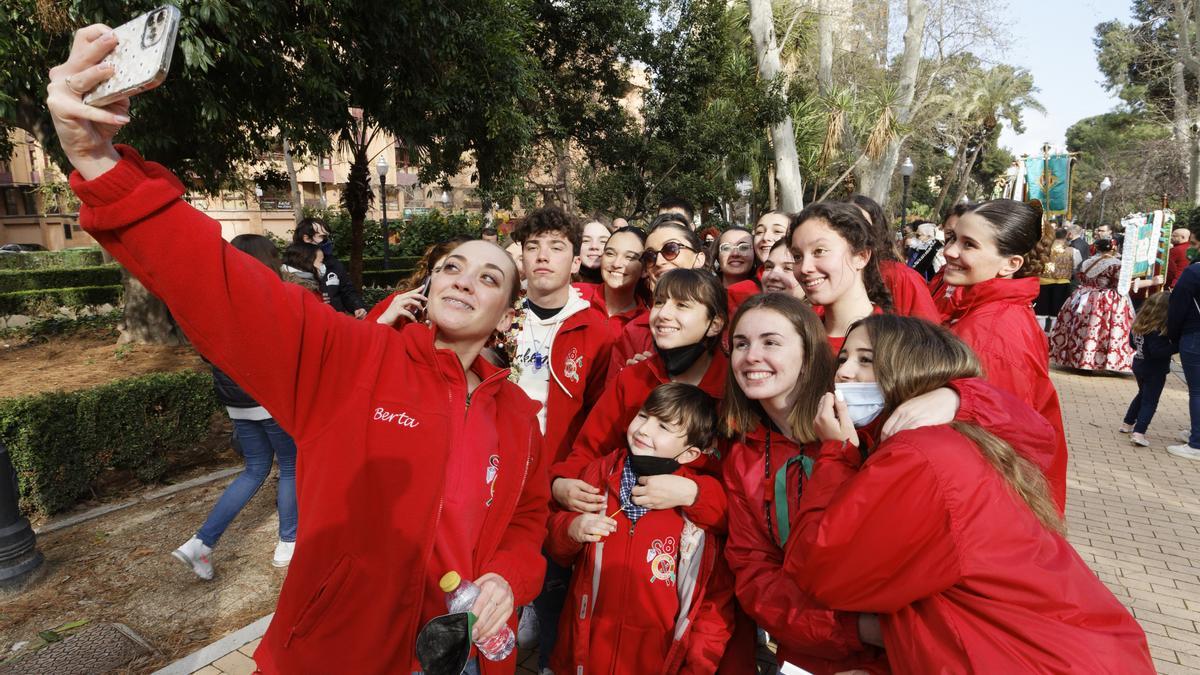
<point>121,119</point>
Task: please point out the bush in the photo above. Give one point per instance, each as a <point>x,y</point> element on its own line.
<point>60,441</point>
<point>373,295</point>
<point>28,280</point>
<point>40,260</point>
<point>45,301</point>
<point>415,235</point>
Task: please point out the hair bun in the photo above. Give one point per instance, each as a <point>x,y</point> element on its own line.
<point>1036,205</point>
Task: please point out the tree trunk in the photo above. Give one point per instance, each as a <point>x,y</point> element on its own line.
<point>359,180</point>
<point>824,48</point>
<point>145,319</point>
<point>783,137</point>
<point>875,175</point>
<point>964,178</point>
<point>297,200</point>
<point>959,152</point>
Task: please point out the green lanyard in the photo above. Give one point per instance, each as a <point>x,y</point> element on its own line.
<point>783,522</point>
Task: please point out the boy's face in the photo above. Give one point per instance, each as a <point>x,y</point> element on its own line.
<point>549,260</point>
<point>649,435</point>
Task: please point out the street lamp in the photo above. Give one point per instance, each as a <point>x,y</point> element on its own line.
<point>1104,186</point>
<point>445,200</point>
<point>19,556</point>
<point>906,172</point>
<point>381,168</point>
<point>1087,209</point>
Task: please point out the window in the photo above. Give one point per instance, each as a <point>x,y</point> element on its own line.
<point>10,201</point>
<point>324,163</point>
<point>66,230</point>
<point>30,202</point>
<point>401,156</point>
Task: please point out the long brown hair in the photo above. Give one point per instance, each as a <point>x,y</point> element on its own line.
<point>914,357</point>
<point>260,248</point>
<point>1152,317</point>
<point>850,224</point>
<point>742,414</point>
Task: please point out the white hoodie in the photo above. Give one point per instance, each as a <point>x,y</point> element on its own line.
<point>534,344</point>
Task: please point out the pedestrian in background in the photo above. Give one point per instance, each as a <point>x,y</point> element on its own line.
<point>1151,362</point>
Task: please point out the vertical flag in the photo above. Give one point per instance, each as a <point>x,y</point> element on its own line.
<point>1049,181</point>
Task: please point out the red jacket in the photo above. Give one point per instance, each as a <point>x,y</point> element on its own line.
<point>594,293</point>
<point>655,597</point>
<point>609,420</point>
<point>1177,262</point>
<point>809,635</point>
<point>944,295</point>
<point>964,577</point>
<point>371,470</point>
<point>739,293</point>
<point>996,319</point>
<point>634,339</point>
<point>910,293</point>
<point>579,359</point>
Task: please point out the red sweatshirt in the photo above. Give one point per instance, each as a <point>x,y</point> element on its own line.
<point>1177,262</point>
<point>910,293</point>
<point>594,293</point>
<point>996,319</point>
<point>609,420</point>
<point>653,597</point>
<point>635,339</point>
<point>931,537</point>
<point>371,473</point>
<point>809,635</point>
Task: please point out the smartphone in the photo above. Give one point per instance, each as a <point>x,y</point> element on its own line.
<point>142,57</point>
<point>420,314</point>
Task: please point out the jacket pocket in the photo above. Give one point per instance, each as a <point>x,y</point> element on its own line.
<point>320,602</point>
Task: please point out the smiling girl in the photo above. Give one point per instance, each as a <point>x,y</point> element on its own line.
<point>772,226</point>
<point>621,296</point>
<point>994,255</point>
<point>948,534</point>
<point>831,243</point>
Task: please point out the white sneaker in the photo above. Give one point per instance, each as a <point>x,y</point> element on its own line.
<point>1139,439</point>
<point>283,553</point>
<point>1185,451</point>
<point>1185,436</point>
<point>195,555</point>
<point>528,628</point>
<point>1125,428</point>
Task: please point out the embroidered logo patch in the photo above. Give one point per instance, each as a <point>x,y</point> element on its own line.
<point>661,556</point>
<point>493,470</point>
<point>573,365</point>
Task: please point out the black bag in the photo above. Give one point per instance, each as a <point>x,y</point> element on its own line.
<point>444,644</point>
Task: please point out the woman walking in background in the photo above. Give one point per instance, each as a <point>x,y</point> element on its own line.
<point>1151,362</point>
<point>261,440</point>
<point>1092,331</point>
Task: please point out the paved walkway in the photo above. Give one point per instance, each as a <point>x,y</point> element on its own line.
<point>1133,513</point>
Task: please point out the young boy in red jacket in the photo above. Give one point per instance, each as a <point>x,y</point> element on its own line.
<point>650,592</point>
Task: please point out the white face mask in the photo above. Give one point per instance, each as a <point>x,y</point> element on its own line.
<point>864,400</point>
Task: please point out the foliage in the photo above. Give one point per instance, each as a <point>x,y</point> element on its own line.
<point>59,442</point>
<point>47,301</point>
<point>28,280</point>
<point>414,235</point>
<point>1130,148</point>
<point>57,326</point>
<point>69,258</point>
<point>373,295</point>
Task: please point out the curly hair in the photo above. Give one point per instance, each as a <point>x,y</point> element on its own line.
<point>885,246</point>
<point>550,219</point>
<point>850,224</point>
<point>1018,230</point>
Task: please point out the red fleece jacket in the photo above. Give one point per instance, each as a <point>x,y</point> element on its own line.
<point>371,470</point>
<point>910,293</point>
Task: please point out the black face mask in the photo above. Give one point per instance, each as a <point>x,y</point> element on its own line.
<point>326,247</point>
<point>649,465</point>
<point>678,359</point>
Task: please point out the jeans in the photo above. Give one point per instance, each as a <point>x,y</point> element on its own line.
<point>549,605</point>
<point>1189,356</point>
<point>261,440</point>
<point>1151,376</point>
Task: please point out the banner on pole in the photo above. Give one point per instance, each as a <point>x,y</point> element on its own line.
<point>1049,181</point>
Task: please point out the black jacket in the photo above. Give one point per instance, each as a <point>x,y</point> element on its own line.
<point>229,394</point>
<point>343,296</point>
<point>1151,347</point>
<point>1183,314</point>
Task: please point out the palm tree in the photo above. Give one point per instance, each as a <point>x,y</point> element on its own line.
<point>1001,94</point>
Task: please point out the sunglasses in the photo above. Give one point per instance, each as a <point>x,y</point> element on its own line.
<point>669,252</point>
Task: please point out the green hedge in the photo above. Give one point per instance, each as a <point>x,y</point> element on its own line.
<point>70,258</point>
<point>29,280</point>
<point>406,263</point>
<point>44,300</point>
<point>59,442</point>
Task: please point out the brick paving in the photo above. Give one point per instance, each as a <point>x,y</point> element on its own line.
<point>1133,513</point>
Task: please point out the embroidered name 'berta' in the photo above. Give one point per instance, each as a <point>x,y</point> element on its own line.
<point>399,418</point>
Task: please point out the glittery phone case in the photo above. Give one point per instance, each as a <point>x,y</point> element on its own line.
<point>142,57</point>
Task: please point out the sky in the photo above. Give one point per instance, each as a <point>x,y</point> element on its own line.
<point>1053,40</point>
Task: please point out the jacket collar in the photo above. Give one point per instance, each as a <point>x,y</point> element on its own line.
<point>418,342</point>
<point>1005,291</point>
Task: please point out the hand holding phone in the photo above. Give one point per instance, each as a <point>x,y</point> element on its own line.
<point>142,57</point>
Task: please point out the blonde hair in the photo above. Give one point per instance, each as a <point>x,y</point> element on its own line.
<point>741,414</point>
<point>944,357</point>
<point>1152,317</point>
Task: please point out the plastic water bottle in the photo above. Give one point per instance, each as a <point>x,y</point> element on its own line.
<point>460,597</point>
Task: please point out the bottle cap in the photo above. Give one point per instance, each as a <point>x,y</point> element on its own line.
<point>450,581</point>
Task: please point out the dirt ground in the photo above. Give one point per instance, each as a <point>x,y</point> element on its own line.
<point>119,568</point>
<point>87,359</point>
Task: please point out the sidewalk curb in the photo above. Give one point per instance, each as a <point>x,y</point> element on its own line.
<point>206,655</point>
<point>69,521</point>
